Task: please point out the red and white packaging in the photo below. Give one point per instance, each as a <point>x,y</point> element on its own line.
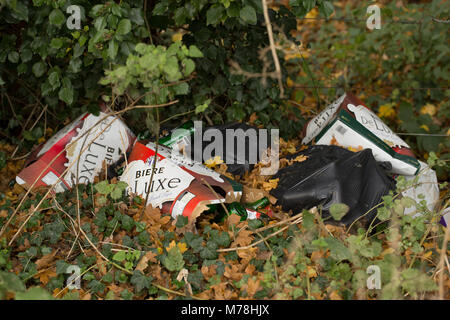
<point>179,185</point>
<point>81,147</point>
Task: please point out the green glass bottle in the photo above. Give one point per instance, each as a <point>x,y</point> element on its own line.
<point>249,211</point>
<point>258,204</point>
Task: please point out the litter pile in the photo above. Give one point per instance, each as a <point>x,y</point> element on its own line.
<point>352,158</point>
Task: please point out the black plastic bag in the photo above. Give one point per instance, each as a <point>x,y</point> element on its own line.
<point>331,175</point>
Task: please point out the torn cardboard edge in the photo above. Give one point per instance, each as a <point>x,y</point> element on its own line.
<point>347,122</point>
<point>180,186</point>
<point>81,147</point>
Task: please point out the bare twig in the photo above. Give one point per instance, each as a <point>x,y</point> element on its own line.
<point>272,47</point>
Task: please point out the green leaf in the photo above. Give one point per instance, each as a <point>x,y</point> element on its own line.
<point>57,18</point>
<point>202,107</point>
<point>116,193</point>
<point>309,4</point>
<point>34,293</point>
<point>120,256</point>
<point>248,14</point>
<point>140,281</point>
<point>326,8</point>
<point>26,55</point>
<point>181,221</point>
<point>338,210</point>
<point>127,223</point>
<point>39,69</point>
<point>56,43</point>
<point>53,79</point>
<point>104,187</point>
<point>10,282</point>
<point>66,95</point>
<point>174,260</point>
<point>214,14</point>
<point>13,57</point>
<point>338,250</point>
<point>194,52</point>
<point>210,251</point>
<point>124,27</point>
<point>189,67</point>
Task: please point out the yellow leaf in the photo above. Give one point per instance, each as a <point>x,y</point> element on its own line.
<point>177,37</point>
<point>425,127</point>
<point>171,245</point>
<point>182,246</point>
<point>289,81</point>
<point>428,109</point>
<point>312,273</point>
<point>386,110</point>
<point>427,255</point>
<point>312,14</point>
<point>271,184</point>
<point>211,163</point>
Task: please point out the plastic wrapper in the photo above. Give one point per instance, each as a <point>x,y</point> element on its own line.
<point>349,123</point>
<point>329,175</point>
<point>81,147</point>
<point>425,185</point>
<point>180,186</point>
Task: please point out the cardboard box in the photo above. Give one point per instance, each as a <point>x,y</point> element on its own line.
<point>179,185</point>
<point>349,123</point>
<point>81,147</point>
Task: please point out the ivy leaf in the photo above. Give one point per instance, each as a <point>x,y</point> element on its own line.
<point>174,260</point>
<point>116,193</point>
<point>34,293</point>
<point>127,223</point>
<point>103,187</point>
<point>120,256</point>
<point>124,27</point>
<point>222,239</point>
<point>140,281</point>
<point>10,282</point>
<point>181,221</point>
<point>209,252</point>
<point>57,18</point>
<point>338,210</point>
<point>248,14</point>
<point>338,250</point>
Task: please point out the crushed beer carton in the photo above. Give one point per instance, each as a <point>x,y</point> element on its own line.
<point>180,186</point>
<point>349,123</point>
<point>77,152</point>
